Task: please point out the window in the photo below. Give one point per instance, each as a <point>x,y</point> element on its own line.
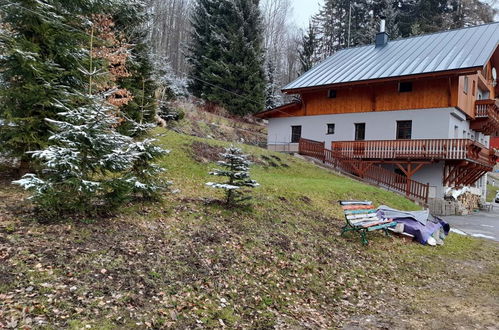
<point>295,134</point>
<point>465,86</point>
<point>360,131</point>
<point>405,87</point>
<point>330,128</point>
<point>404,129</point>
<point>331,93</point>
<point>473,88</point>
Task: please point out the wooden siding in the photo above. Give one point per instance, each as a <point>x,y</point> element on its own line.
<point>426,93</point>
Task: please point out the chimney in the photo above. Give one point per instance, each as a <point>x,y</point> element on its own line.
<point>381,36</point>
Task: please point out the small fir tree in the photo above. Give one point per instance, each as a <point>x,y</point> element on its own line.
<point>236,169</point>
<point>90,166</point>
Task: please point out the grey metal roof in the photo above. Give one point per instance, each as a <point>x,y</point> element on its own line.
<point>449,50</point>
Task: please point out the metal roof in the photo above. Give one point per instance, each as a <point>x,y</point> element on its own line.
<point>443,51</point>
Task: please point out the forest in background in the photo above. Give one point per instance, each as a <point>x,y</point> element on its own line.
<point>288,50</point>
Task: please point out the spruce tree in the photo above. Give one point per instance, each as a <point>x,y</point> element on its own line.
<point>40,59</point>
<point>236,169</point>
<point>308,49</point>
<point>203,45</point>
<point>227,56</point>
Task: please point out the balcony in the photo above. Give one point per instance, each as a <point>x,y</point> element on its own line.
<point>486,116</point>
<point>416,150</point>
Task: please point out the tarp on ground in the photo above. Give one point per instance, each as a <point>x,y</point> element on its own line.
<point>421,224</point>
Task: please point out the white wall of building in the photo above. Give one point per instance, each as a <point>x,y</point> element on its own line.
<point>382,125</point>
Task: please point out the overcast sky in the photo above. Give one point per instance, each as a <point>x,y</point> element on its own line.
<point>304,9</point>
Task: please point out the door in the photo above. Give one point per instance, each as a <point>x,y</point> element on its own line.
<point>360,135</point>
<point>295,134</point>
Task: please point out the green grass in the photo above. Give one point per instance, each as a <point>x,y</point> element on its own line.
<point>491,192</point>
<point>190,262</point>
<point>292,179</point>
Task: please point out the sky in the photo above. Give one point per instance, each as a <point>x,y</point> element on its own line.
<point>304,9</point>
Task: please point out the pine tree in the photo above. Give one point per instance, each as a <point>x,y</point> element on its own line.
<point>308,49</point>
<point>236,169</point>
<point>90,167</point>
<point>227,56</point>
<point>40,59</point>
<point>203,45</point>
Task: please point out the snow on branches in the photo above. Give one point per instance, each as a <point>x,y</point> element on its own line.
<point>90,165</point>
<point>236,168</point>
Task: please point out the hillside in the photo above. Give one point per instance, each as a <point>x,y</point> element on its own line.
<point>191,262</point>
<point>216,123</point>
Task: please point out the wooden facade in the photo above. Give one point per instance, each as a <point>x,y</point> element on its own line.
<point>428,92</point>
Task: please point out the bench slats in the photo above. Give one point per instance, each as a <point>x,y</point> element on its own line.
<point>362,216</point>
<point>359,211</point>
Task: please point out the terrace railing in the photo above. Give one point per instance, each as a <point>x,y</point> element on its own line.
<point>365,170</point>
<point>427,149</point>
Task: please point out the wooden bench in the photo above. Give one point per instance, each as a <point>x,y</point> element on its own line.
<point>361,216</point>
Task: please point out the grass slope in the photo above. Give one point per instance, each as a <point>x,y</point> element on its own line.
<point>190,262</point>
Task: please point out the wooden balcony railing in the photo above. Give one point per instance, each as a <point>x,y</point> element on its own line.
<point>482,107</point>
<point>486,116</point>
<point>428,149</point>
<point>366,171</point>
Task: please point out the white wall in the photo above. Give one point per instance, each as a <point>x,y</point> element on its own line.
<point>458,119</point>
<point>382,125</point>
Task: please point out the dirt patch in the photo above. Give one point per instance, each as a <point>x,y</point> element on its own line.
<point>206,153</point>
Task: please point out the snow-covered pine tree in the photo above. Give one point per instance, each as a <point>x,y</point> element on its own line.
<point>236,169</point>
<point>89,166</point>
<point>272,97</point>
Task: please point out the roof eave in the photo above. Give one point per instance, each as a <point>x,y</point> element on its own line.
<point>281,109</point>
<point>454,72</point>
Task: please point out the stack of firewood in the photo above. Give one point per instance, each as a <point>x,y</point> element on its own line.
<point>469,201</point>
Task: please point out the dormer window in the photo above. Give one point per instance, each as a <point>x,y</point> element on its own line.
<point>405,87</point>
<point>331,93</point>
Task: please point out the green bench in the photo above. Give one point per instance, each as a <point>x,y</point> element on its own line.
<point>361,216</point>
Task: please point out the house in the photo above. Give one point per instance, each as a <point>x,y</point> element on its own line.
<point>421,108</point>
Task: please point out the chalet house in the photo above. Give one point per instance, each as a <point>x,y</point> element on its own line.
<point>413,114</point>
